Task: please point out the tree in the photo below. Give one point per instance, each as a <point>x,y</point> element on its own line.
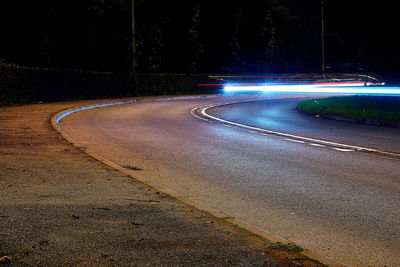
<point>196,47</point>
<point>268,34</point>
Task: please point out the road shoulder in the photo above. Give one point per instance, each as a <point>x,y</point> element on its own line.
<point>62,207</point>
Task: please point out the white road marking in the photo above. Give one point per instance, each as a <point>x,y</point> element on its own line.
<point>294,140</point>
<point>312,141</point>
<point>343,149</point>
<point>318,145</point>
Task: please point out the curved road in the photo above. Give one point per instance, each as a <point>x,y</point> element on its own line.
<point>343,204</point>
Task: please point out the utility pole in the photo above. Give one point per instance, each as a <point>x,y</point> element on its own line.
<point>323,38</point>
<point>134,49</point>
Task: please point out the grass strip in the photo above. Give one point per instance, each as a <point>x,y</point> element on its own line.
<point>379,109</point>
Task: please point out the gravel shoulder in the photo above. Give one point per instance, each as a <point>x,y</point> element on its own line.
<point>61,207</point>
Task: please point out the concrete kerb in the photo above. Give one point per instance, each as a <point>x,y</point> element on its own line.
<point>60,115</point>
<point>218,214</point>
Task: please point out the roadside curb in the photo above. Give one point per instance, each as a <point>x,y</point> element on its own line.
<point>60,115</point>
<point>269,237</point>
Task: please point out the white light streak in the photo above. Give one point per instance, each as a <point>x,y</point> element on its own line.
<point>313,88</point>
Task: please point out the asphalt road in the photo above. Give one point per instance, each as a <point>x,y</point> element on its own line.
<point>342,204</point>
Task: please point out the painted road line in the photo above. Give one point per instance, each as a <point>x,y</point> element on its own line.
<point>317,145</point>
<point>202,112</point>
<point>295,141</point>
<point>343,149</point>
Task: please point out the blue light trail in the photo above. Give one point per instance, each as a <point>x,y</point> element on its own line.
<point>316,88</point>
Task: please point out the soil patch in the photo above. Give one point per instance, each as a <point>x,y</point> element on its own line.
<point>61,207</point>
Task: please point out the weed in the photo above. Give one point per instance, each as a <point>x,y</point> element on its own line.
<point>290,247</point>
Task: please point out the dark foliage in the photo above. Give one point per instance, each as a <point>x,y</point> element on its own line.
<point>20,85</point>
<point>201,36</point>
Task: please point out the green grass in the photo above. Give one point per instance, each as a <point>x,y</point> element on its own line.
<point>385,109</point>
<point>290,247</point>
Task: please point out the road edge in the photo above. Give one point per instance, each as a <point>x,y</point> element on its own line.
<point>269,237</point>
<point>200,113</point>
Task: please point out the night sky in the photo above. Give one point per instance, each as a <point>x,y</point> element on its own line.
<point>195,36</point>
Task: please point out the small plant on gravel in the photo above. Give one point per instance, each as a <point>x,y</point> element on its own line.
<point>290,247</point>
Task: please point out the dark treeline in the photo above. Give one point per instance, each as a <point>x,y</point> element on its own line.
<point>200,36</point>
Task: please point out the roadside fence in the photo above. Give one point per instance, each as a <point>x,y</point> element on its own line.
<point>27,85</point>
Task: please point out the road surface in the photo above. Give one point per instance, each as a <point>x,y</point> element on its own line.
<point>341,203</point>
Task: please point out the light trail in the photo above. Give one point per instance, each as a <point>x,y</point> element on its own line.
<point>306,83</point>
<point>349,83</point>
<point>353,88</point>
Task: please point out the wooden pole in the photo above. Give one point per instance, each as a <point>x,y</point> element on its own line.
<point>134,50</point>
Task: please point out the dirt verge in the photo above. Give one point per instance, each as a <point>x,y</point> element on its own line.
<point>61,207</point>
